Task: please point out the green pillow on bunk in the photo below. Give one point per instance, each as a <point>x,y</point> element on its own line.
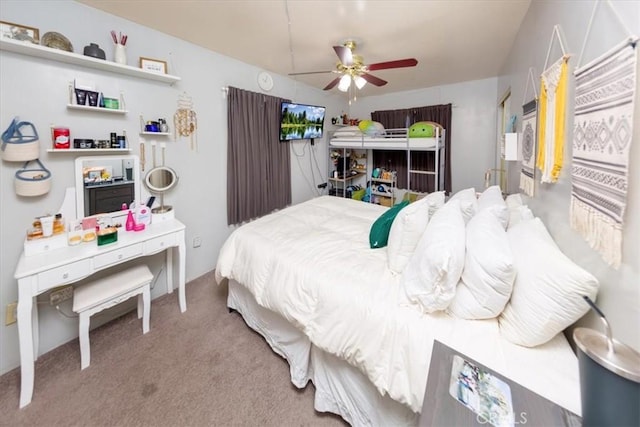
<point>379,233</point>
<point>423,130</point>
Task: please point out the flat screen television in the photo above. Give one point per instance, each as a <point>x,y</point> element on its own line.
<point>300,121</point>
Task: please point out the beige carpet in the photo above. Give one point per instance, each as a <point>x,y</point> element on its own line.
<point>204,367</point>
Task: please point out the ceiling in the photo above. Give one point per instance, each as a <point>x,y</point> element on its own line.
<point>453,40</point>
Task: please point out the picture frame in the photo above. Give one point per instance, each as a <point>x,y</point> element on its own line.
<point>153,65</point>
<point>19,32</point>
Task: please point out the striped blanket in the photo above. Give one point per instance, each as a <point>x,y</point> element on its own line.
<point>529,126</point>
<point>602,137</point>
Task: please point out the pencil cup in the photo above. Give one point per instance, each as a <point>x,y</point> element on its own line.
<point>120,54</point>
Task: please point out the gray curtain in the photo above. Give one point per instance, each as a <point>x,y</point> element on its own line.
<point>258,164</point>
<point>420,160</point>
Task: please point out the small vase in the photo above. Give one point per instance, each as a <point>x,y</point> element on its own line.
<point>94,50</point>
<point>120,54</point>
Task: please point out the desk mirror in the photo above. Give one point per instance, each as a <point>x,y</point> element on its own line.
<point>105,183</point>
<point>159,180</point>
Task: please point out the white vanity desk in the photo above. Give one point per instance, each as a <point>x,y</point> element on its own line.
<point>38,273</point>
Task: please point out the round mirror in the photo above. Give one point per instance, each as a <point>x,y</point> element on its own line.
<point>160,179</point>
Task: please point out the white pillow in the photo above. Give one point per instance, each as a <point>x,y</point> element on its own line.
<point>548,290</point>
<point>468,202</point>
<point>491,199</point>
<point>407,228</point>
<point>434,269</point>
<point>513,200</point>
<point>435,201</point>
<point>348,131</point>
<point>519,213</point>
<point>489,271</point>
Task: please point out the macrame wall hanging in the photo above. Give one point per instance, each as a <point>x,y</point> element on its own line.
<point>529,138</point>
<point>602,138</point>
<point>552,116</point>
<point>185,122</point>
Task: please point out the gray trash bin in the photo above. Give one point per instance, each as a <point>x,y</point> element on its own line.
<point>609,380</point>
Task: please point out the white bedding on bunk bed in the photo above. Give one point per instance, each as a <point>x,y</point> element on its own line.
<point>392,139</point>
<point>377,143</point>
<point>311,264</point>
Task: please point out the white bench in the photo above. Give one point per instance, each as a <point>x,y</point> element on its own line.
<point>96,296</point>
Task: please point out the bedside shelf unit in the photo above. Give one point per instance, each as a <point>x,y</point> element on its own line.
<point>30,49</point>
<point>346,179</point>
<point>346,173</point>
<point>95,109</point>
<point>385,198</point>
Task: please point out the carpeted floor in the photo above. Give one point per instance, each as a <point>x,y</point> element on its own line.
<point>204,367</point>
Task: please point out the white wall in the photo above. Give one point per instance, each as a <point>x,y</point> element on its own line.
<point>473,123</point>
<point>619,295</point>
<point>36,91</point>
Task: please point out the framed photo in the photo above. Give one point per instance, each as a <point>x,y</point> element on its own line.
<point>153,65</point>
<point>19,32</point>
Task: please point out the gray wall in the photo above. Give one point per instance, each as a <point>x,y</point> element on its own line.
<point>619,295</point>
<point>473,122</point>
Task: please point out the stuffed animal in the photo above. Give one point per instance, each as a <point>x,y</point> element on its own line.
<point>423,130</point>
<point>371,128</point>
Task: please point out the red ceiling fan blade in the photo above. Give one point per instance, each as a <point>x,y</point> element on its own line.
<point>310,72</point>
<point>373,79</point>
<point>332,84</point>
<point>345,55</point>
<point>400,63</point>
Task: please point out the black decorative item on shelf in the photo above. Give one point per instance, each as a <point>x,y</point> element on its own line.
<point>94,51</point>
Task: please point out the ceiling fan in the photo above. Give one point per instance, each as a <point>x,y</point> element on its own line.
<point>352,67</point>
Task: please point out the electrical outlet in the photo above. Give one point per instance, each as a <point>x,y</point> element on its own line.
<point>197,241</point>
<point>11,315</point>
<point>60,294</point>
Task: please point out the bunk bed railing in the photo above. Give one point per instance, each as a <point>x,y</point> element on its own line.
<point>401,137</point>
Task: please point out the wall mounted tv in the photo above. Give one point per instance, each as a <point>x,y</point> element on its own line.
<point>300,121</point>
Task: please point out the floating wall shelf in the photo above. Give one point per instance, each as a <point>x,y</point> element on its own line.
<point>95,109</point>
<point>89,150</point>
<point>156,133</point>
<point>38,51</point>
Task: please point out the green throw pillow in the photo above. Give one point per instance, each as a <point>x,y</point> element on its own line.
<point>379,233</point>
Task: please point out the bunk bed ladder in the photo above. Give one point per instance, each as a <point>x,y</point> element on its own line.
<point>436,165</point>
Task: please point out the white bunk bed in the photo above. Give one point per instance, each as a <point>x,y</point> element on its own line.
<point>396,139</point>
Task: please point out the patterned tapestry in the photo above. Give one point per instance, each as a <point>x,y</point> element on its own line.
<point>527,174</point>
<point>551,121</point>
<point>602,136</point>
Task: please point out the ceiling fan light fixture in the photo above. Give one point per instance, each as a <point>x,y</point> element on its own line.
<point>345,82</point>
<point>359,81</point>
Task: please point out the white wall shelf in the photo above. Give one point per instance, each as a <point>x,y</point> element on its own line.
<point>156,133</point>
<point>95,109</point>
<point>30,49</point>
<point>89,150</point>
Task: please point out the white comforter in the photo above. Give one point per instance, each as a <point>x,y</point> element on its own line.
<point>312,264</point>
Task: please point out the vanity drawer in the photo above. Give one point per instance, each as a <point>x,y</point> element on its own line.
<point>65,274</point>
<point>159,243</point>
<point>117,256</point>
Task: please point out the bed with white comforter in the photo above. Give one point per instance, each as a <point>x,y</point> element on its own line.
<point>311,266</point>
